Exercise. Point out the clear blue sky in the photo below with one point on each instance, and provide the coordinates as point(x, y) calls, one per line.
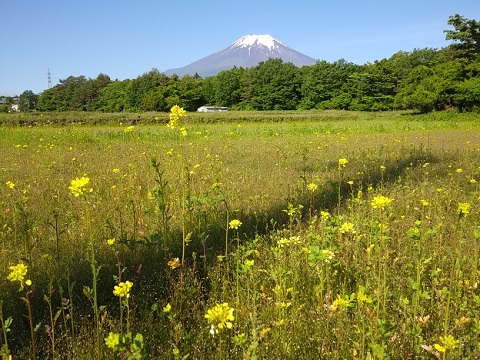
point(125, 39)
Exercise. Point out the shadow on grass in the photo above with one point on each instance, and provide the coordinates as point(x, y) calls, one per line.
point(145, 259)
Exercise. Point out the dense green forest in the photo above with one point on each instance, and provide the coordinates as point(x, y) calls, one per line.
point(423, 80)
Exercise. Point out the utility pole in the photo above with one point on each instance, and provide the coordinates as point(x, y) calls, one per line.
point(49, 78)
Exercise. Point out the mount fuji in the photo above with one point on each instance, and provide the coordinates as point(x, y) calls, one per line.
point(245, 52)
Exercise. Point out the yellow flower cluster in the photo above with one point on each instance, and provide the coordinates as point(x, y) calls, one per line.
point(112, 340)
point(328, 255)
point(340, 303)
point(381, 202)
point(347, 227)
point(312, 187)
point(235, 224)
point(123, 289)
point(174, 263)
point(448, 342)
point(325, 215)
point(342, 163)
point(18, 273)
point(220, 317)
point(292, 240)
point(80, 186)
point(176, 113)
point(167, 308)
point(463, 209)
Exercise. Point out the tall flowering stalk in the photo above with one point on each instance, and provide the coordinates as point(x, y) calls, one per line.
point(380, 203)
point(235, 224)
point(81, 187)
point(122, 290)
point(220, 318)
point(18, 274)
point(176, 114)
point(342, 163)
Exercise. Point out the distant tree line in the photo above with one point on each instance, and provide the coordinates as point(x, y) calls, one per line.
point(423, 80)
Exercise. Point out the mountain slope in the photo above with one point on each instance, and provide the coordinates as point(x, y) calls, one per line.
point(245, 52)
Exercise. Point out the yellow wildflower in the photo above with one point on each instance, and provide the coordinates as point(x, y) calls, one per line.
point(340, 303)
point(342, 163)
point(448, 342)
point(235, 224)
point(167, 308)
point(174, 263)
point(80, 186)
point(123, 289)
point(10, 184)
point(380, 202)
point(328, 255)
point(347, 227)
point(325, 215)
point(312, 187)
point(220, 317)
point(249, 263)
point(110, 242)
point(112, 340)
point(424, 202)
point(463, 208)
point(18, 273)
point(176, 113)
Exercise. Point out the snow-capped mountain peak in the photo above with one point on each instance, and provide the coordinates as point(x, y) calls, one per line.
point(251, 40)
point(245, 52)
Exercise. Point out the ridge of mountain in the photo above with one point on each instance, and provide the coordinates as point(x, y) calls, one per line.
point(245, 52)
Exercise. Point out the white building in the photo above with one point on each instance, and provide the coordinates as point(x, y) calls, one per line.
point(212, 109)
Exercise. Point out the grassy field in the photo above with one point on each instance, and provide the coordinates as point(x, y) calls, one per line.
point(291, 235)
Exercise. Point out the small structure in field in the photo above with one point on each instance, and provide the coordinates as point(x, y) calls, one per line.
point(212, 109)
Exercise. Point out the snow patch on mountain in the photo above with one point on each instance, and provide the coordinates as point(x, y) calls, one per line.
point(252, 40)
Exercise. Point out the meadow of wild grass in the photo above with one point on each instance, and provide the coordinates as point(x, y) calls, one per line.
point(306, 235)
